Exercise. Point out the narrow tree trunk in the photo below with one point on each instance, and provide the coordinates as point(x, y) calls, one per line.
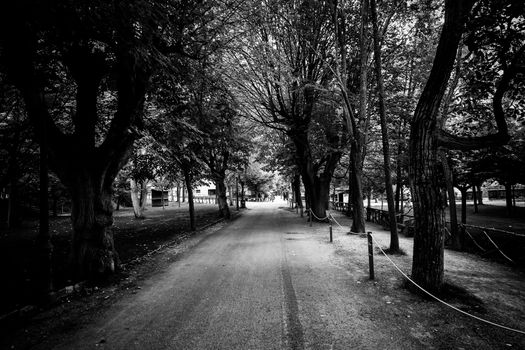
point(358, 142)
point(356, 192)
point(456, 241)
point(191, 205)
point(508, 199)
point(480, 194)
point(475, 198)
point(394, 239)
point(463, 204)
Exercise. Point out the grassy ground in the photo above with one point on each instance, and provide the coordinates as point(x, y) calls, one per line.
point(133, 239)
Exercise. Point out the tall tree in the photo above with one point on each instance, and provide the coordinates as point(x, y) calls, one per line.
point(394, 239)
point(426, 138)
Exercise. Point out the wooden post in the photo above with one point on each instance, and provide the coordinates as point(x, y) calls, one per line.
point(330, 220)
point(370, 255)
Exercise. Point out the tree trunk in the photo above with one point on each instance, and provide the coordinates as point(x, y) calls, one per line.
point(508, 199)
point(480, 194)
point(224, 210)
point(463, 204)
point(296, 187)
point(322, 195)
point(45, 248)
point(475, 198)
point(356, 191)
point(456, 241)
point(138, 197)
point(94, 253)
point(358, 137)
point(425, 174)
point(191, 206)
point(394, 239)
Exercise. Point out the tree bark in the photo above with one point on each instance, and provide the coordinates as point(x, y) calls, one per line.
point(191, 206)
point(508, 199)
point(425, 172)
point(138, 197)
point(296, 187)
point(222, 200)
point(480, 194)
point(45, 248)
point(394, 239)
point(456, 240)
point(475, 198)
point(94, 254)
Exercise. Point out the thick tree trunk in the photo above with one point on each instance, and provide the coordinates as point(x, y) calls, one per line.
point(224, 210)
point(191, 206)
point(425, 172)
point(94, 254)
point(322, 195)
point(394, 239)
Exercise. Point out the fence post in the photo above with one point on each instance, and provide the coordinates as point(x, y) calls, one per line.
point(370, 255)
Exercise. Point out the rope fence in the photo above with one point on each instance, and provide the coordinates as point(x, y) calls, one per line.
point(438, 299)
point(331, 218)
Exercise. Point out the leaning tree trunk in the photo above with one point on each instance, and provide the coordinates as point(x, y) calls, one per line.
point(425, 172)
point(92, 216)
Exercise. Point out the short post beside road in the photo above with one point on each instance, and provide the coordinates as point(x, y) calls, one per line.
point(370, 255)
point(330, 221)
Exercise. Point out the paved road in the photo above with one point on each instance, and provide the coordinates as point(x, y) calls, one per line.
point(258, 283)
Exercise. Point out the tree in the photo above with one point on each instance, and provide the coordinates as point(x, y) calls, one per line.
point(92, 46)
point(426, 138)
point(394, 240)
point(284, 81)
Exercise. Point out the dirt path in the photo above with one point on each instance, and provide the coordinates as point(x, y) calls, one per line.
point(269, 281)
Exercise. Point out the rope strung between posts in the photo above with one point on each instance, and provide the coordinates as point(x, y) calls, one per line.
point(503, 254)
point(494, 229)
point(441, 301)
point(311, 212)
point(338, 224)
point(473, 240)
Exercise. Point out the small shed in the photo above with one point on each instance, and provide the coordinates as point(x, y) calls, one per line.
point(159, 198)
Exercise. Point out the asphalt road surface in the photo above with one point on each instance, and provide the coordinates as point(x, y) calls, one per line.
point(261, 282)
